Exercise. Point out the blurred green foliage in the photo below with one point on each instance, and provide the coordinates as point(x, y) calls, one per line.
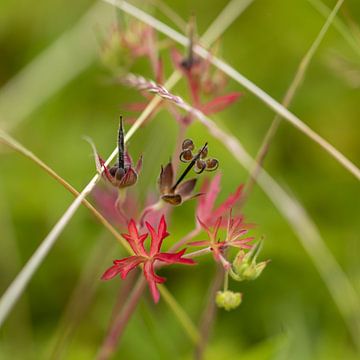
point(287, 312)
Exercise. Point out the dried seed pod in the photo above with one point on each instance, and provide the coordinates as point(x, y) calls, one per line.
point(188, 144)
point(211, 164)
point(204, 153)
point(186, 156)
point(200, 166)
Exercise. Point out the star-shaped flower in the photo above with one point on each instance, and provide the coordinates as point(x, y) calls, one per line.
point(235, 231)
point(146, 257)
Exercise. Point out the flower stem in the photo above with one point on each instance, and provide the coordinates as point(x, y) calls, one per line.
point(112, 339)
point(209, 313)
point(182, 316)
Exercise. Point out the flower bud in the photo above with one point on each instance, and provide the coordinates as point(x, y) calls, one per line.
point(228, 300)
point(245, 266)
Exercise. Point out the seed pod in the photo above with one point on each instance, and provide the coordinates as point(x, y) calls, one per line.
point(204, 153)
point(188, 144)
point(211, 164)
point(200, 166)
point(186, 156)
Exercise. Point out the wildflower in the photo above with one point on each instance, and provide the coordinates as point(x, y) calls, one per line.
point(197, 71)
point(228, 300)
point(205, 209)
point(122, 174)
point(233, 239)
point(176, 194)
point(245, 267)
point(146, 257)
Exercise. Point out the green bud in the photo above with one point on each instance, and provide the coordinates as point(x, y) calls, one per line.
point(244, 266)
point(228, 300)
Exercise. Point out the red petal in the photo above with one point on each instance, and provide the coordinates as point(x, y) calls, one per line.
point(135, 240)
point(157, 238)
point(220, 103)
point(228, 203)
point(174, 258)
point(206, 203)
point(110, 272)
point(128, 264)
point(152, 279)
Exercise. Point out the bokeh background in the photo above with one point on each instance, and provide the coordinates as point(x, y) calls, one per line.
point(288, 312)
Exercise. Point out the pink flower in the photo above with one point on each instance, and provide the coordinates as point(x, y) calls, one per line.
point(205, 209)
point(202, 81)
point(146, 257)
point(235, 231)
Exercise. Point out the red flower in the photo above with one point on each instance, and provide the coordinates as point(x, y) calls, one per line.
point(233, 238)
point(201, 81)
point(146, 257)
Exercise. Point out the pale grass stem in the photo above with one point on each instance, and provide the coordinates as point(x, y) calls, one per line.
point(38, 80)
point(294, 85)
point(338, 24)
point(241, 79)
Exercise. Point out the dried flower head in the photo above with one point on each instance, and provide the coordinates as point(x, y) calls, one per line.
point(146, 257)
point(177, 193)
point(122, 174)
point(202, 162)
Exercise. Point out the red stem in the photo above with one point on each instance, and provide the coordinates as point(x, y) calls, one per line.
point(112, 339)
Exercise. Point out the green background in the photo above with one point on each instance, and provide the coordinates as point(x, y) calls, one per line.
point(288, 312)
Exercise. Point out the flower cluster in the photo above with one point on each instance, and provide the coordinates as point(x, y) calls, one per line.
point(224, 225)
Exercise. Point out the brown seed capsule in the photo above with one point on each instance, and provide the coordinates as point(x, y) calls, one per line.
point(204, 153)
point(188, 144)
point(186, 156)
point(200, 166)
point(211, 164)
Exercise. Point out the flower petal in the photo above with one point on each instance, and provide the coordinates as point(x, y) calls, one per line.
point(152, 280)
point(220, 103)
point(135, 240)
point(185, 189)
point(174, 258)
point(157, 238)
point(110, 272)
point(166, 179)
point(206, 203)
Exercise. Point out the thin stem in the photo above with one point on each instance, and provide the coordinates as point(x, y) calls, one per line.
point(111, 341)
point(81, 297)
point(38, 81)
point(13, 144)
point(294, 86)
point(241, 79)
point(209, 313)
point(180, 314)
point(338, 24)
point(185, 239)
